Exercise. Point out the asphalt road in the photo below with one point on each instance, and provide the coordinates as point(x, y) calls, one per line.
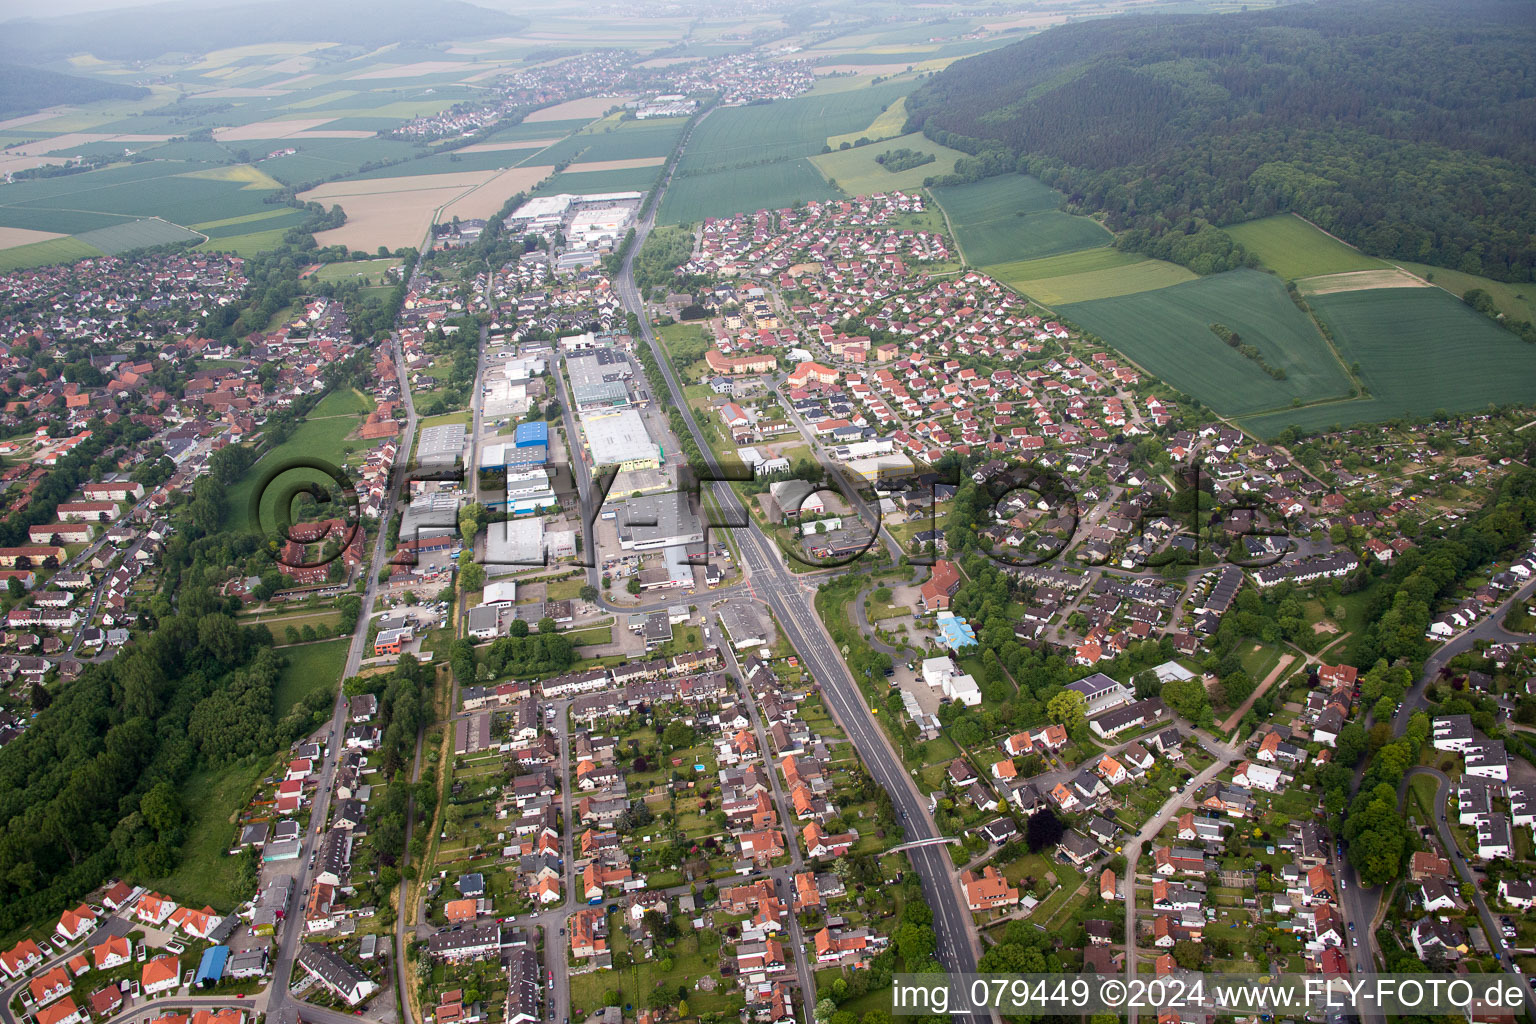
point(957, 944)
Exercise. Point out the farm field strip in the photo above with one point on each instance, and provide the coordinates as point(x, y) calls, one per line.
point(1294, 248)
point(1167, 332)
point(1419, 350)
point(1114, 279)
point(1014, 217)
point(1359, 281)
point(856, 171)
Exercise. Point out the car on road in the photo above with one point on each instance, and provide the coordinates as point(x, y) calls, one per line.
point(1351, 926)
point(1354, 941)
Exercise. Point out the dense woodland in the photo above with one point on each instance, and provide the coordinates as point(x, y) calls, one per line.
point(1407, 128)
point(23, 90)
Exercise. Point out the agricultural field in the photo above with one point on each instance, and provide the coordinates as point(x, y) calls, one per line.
point(1168, 333)
point(615, 179)
point(741, 159)
point(1293, 248)
point(1098, 273)
point(621, 140)
point(138, 234)
point(64, 249)
point(887, 125)
point(857, 172)
point(1516, 301)
point(1419, 350)
point(1014, 217)
point(396, 212)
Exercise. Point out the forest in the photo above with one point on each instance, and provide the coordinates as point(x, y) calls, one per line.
point(1408, 129)
point(90, 788)
point(23, 90)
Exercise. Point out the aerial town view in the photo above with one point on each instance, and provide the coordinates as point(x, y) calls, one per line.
point(767, 511)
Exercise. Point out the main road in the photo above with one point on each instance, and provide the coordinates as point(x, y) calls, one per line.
point(791, 601)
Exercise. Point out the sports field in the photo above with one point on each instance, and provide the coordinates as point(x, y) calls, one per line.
point(741, 159)
point(1419, 350)
point(1098, 273)
point(1014, 217)
point(1293, 248)
point(857, 172)
point(1167, 332)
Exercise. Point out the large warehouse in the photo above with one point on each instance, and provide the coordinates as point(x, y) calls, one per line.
point(620, 439)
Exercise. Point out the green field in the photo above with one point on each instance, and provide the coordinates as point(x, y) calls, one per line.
point(1014, 217)
point(1516, 301)
point(137, 234)
point(1293, 248)
point(856, 172)
point(374, 270)
point(1420, 350)
point(112, 196)
point(622, 179)
point(41, 254)
point(310, 667)
point(626, 140)
point(1098, 273)
point(206, 873)
point(322, 435)
point(887, 125)
point(1167, 332)
point(742, 159)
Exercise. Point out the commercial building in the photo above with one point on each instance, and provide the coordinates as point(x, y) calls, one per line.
point(440, 446)
point(599, 379)
point(657, 521)
point(515, 544)
point(620, 439)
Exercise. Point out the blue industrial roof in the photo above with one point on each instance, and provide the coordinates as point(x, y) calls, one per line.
point(212, 966)
point(534, 433)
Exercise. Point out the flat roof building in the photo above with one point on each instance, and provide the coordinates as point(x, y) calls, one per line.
point(658, 521)
point(621, 439)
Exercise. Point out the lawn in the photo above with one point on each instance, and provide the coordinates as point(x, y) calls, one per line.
point(314, 666)
point(857, 172)
point(322, 435)
point(1420, 350)
point(1293, 248)
point(375, 271)
point(206, 873)
point(1014, 217)
point(1099, 273)
point(1168, 333)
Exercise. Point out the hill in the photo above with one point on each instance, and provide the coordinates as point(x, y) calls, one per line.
point(24, 90)
point(143, 33)
point(1407, 128)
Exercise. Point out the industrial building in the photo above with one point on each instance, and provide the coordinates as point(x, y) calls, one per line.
point(620, 439)
point(656, 521)
point(599, 379)
point(440, 446)
point(514, 545)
